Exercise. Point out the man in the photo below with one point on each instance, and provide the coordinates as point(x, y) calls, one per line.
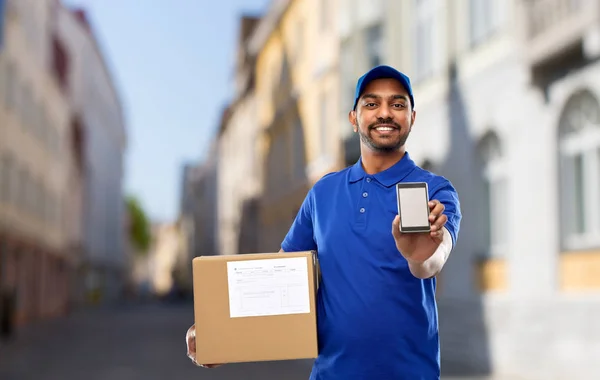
point(376, 309)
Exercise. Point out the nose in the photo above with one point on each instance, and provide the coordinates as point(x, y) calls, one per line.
point(384, 112)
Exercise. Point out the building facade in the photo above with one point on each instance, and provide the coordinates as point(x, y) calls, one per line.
point(164, 257)
point(361, 28)
point(68, 68)
point(206, 193)
point(198, 215)
point(97, 106)
point(238, 164)
point(190, 219)
point(35, 162)
point(507, 100)
point(297, 104)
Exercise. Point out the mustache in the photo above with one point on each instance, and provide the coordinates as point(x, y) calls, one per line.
point(384, 122)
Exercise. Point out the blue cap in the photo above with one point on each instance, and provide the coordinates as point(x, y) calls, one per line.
point(380, 72)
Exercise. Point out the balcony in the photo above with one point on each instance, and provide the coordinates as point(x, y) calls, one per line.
point(554, 29)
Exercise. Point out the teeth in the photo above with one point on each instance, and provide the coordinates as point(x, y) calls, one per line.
point(385, 129)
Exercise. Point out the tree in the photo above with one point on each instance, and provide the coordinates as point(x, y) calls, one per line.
point(139, 227)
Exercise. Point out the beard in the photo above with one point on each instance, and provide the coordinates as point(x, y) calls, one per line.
point(388, 145)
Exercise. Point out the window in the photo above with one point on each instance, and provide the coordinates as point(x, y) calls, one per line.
point(4, 177)
point(484, 19)
point(10, 86)
point(2, 25)
point(347, 81)
point(47, 206)
point(17, 183)
point(323, 125)
point(26, 109)
point(374, 41)
point(425, 41)
point(298, 147)
point(2, 69)
point(278, 163)
point(58, 214)
point(579, 146)
point(60, 62)
point(495, 194)
point(323, 16)
point(28, 196)
point(37, 199)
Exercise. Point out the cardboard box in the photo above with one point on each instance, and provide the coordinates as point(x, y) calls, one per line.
point(255, 307)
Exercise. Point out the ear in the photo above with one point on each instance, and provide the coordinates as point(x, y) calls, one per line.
point(352, 120)
point(413, 118)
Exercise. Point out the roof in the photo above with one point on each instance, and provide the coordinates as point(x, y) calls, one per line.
point(267, 25)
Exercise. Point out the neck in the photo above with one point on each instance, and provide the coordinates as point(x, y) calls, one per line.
point(375, 162)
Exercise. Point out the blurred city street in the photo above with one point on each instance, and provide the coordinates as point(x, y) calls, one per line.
point(144, 342)
point(118, 169)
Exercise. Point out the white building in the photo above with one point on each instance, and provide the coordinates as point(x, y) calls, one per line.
point(238, 163)
point(98, 106)
point(198, 208)
point(190, 219)
point(35, 162)
point(507, 98)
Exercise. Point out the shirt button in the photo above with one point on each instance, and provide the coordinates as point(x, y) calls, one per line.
point(365, 194)
point(368, 179)
point(362, 210)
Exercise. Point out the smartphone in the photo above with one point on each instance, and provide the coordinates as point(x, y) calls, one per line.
point(413, 207)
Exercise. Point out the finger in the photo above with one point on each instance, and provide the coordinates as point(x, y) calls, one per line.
point(193, 359)
point(437, 210)
point(433, 203)
point(437, 234)
point(396, 226)
point(205, 365)
point(439, 223)
point(436, 207)
point(191, 340)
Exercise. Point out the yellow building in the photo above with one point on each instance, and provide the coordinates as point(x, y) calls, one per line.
point(297, 98)
point(34, 165)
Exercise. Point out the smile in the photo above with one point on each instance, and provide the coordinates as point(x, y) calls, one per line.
point(385, 128)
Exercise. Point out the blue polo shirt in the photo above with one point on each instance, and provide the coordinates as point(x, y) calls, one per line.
point(376, 321)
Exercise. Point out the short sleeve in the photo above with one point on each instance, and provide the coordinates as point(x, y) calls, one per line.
point(300, 236)
point(448, 196)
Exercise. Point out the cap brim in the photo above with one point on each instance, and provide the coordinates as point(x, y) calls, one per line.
point(382, 72)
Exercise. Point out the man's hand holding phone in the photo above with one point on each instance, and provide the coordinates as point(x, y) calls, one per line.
point(418, 247)
point(418, 227)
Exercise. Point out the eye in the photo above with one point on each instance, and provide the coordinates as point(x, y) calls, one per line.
point(370, 104)
point(398, 105)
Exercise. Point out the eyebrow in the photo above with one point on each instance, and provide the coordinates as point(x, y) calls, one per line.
point(393, 97)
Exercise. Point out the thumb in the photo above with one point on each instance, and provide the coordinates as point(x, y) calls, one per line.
point(396, 227)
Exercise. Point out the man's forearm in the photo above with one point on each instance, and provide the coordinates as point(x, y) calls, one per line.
point(433, 265)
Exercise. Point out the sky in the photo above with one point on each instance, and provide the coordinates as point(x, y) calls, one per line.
point(173, 64)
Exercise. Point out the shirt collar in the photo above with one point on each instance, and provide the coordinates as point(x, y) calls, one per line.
point(388, 177)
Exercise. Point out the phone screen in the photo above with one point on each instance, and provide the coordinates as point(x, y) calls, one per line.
point(414, 211)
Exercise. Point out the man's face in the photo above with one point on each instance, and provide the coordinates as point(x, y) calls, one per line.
point(383, 116)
